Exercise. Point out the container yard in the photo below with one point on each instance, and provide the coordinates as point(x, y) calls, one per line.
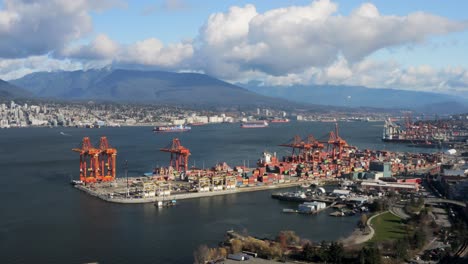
point(428, 134)
point(311, 162)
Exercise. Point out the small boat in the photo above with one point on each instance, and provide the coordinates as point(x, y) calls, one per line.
point(77, 182)
point(169, 129)
point(288, 210)
point(254, 124)
point(337, 213)
point(168, 203)
point(343, 212)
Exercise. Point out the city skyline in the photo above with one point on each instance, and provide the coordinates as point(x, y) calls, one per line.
point(375, 44)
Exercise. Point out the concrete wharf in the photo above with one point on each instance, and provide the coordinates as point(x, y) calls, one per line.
point(180, 196)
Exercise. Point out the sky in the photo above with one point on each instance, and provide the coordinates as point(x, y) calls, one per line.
point(413, 45)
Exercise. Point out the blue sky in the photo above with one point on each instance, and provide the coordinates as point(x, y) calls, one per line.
point(416, 45)
point(129, 24)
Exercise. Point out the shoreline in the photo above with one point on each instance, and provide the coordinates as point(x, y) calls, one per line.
point(358, 236)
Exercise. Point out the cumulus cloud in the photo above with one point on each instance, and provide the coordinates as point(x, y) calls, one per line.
point(149, 52)
point(102, 47)
point(153, 52)
point(37, 27)
point(378, 74)
point(289, 40)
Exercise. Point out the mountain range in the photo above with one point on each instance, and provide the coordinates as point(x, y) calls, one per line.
point(358, 96)
point(140, 86)
point(8, 90)
point(196, 89)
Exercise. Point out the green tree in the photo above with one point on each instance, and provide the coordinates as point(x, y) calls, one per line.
point(420, 202)
point(418, 238)
point(369, 254)
point(335, 253)
point(322, 251)
point(401, 247)
point(309, 252)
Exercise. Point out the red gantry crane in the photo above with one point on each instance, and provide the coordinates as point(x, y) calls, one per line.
point(179, 155)
point(296, 144)
point(314, 148)
point(336, 144)
point(89, 162)
point(107, 160)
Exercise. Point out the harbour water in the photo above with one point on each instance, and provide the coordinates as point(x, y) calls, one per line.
point(45, 220)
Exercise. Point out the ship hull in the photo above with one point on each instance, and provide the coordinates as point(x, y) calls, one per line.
point(170, 131)
point(254, 125)
point(280, 121)
point(402, 140)
point(290, 198)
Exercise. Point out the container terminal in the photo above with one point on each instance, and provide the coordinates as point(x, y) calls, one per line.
point(425, 134)
point(311, 162)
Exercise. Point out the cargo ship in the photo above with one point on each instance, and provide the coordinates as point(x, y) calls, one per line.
point(168, 129)
point(280, 120)
point(393, 132)
point(254, 124)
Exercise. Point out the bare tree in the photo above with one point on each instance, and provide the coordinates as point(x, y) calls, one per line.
point(201, 255)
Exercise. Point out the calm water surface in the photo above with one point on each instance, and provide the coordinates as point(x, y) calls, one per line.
point(44, 220)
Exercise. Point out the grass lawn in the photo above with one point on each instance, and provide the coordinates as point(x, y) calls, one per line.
point(387, 227)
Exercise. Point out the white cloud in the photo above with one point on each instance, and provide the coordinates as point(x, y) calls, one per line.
point(379, 74)
point(149, 52)
point(37, 27)
point(153, 52)
point(102, 47)
point(16, 68)
point(289, 40)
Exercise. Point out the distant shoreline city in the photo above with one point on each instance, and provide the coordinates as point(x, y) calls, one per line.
point(52, 114)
